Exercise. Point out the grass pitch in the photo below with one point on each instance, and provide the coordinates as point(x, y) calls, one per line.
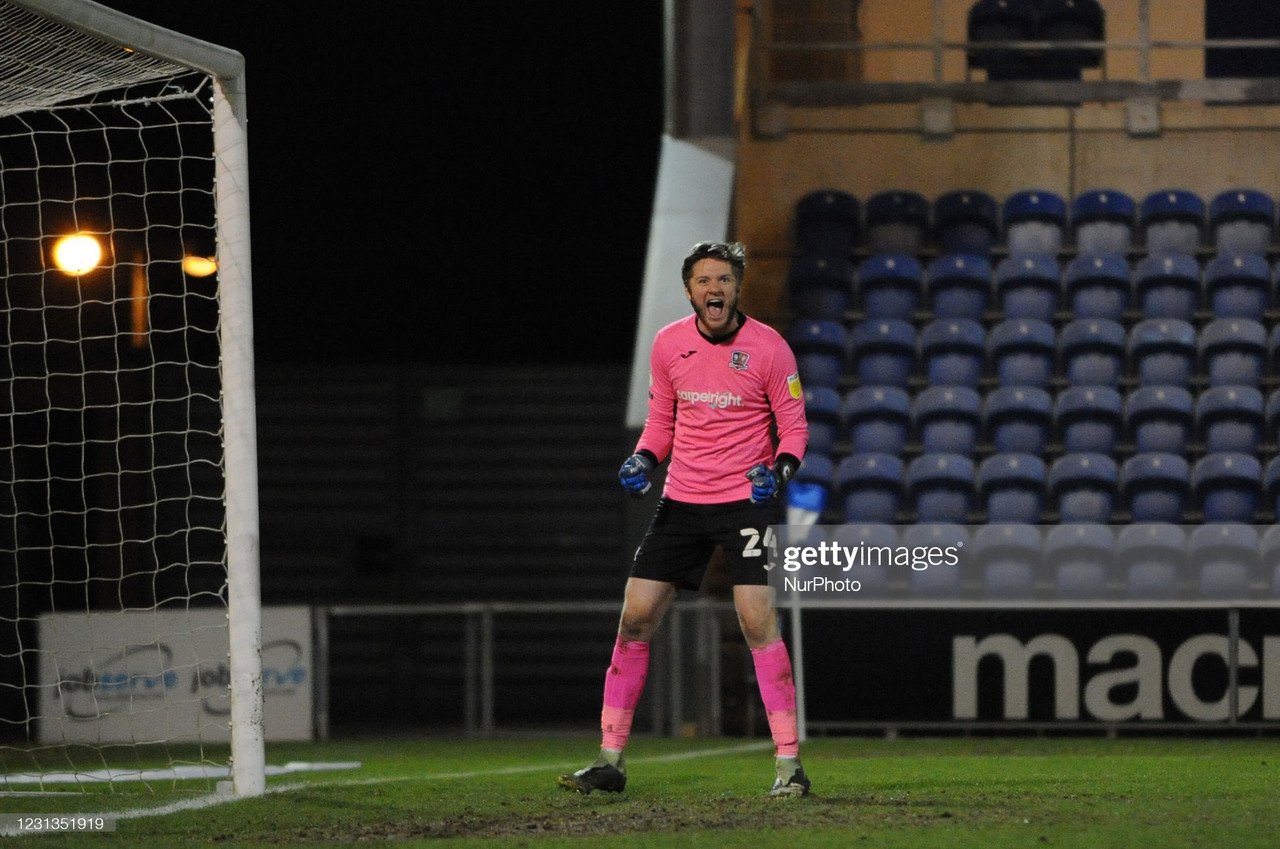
point(1091, 793)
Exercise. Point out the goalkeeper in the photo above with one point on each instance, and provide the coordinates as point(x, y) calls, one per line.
point(721, 387)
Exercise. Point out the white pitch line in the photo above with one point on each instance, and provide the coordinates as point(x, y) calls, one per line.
point(213, 799)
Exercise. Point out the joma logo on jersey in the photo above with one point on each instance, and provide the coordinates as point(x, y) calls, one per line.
point(718, 400)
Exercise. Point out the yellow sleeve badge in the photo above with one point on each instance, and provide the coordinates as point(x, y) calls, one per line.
point(793, 384)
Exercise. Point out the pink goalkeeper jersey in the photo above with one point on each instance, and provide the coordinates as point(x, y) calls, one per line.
point(712, 405)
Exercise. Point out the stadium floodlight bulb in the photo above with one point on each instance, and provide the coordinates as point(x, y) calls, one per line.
point(199, 266)
point(77, 254)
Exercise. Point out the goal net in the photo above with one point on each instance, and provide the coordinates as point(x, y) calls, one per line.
point(128, 513)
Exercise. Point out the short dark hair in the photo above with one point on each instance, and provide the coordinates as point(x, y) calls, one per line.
point(731, 252)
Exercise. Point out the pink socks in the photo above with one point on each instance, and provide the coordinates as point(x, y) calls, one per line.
point(623, 684)
point(778, 691)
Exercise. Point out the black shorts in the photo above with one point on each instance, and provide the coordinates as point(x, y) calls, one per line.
point(682, 537)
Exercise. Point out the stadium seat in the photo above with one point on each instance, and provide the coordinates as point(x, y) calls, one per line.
point(1018, 419)
point(879, 577)
point(1172, 221)
point(947, 419)
point(1080, 555)
point(1225, 556)
point(1242, 221)
point(827, 223)
point(1008, 558)
point(1271, 414)
point(821, 348)
point(1028, 286)
point(870, 487)
point(941, 579)
point(1155, 486)
point(1103, 222)
point(1230, 418)
point(1083, 487)
point(1227, 486)
point(1089, 418)
point(1159, 418)
point(822, 408)
point(1271, 487)
point(883, 351)
point(1162, 351)
point(1011, 488)
point(897, 222)
point(966, 222)
point(953, 352)
point(877, 418)
point(958, 286)
point(1035, 222)
point(1273, 349)
point(1237, 286)
point(1155, 555)
point(1092, 352)
point(890, 286)
point(1002, 20)
point(820, 286)
point(1233, 351)
point(1072, 20)
point(1097, 286)
point(940, 487)
point(1022, 352)
point(809, 492)
point(1167, 286)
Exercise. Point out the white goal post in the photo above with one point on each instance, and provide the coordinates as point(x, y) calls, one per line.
point(101, 77)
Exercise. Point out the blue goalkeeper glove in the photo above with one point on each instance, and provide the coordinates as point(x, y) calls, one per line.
point(765, 482)
point(634, 475)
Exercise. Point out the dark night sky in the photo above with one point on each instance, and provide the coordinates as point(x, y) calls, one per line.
point(468, 183)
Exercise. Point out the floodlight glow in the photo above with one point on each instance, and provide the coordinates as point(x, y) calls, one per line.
point(199, 266)
point(77, 254)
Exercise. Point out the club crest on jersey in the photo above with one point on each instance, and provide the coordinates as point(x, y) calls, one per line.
point(738, 360)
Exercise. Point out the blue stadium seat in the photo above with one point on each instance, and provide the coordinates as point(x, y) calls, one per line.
point(1237, 286)
point(1028, 286)
point(809, 492)
point(883, 351)
point(879, 577)
point(822, 408)
point(877, 418)
point(1230, 418)
point(947, 418)
point(1023, 352)
point(1083, 487)
point(820, 286)
point(1227, 486)
point(1242, 221)
point(958, 286)
point(870, 487)
point(1226, 557)
point(1172, 221)
point(1008, 557)
point(1162, 351)
point(1271, 415)
point(940, 486)
point(1002, 20)
point(1097, 286)
point(1155, 554)
point(1233, 351)
point(1011, 488)
point(1167, 286)
point(1018, 419)
point(891, 286)
point(1271, 487)
point(966, 222)
point(940, 580)
point(953, 352)
point(1103, 222)
point(1092, 351)
point(897, 222)
point(1035, 222)
point(827, 223)
point(1089, 418)
point(1155, 486)
point(1273, 348)
point(1072, 20)
point(822, 349)
point(1160, 418)
point(1080, 555)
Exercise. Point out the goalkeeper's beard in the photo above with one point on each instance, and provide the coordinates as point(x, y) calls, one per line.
point(725, 324)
